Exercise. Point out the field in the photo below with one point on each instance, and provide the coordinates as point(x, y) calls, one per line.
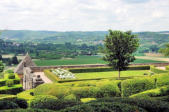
point(86, 60)
point(112, 74)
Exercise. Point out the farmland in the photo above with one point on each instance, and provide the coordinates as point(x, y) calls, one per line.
point(86, 60)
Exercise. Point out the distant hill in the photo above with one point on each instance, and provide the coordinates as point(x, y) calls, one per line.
point(79, 37)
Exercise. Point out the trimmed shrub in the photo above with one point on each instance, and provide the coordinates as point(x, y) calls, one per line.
point(28, 110)
point(162, 79)
point(51, 102)
point(104, 69)
point(108, 89)
point(167, 68)
point(8, 105)
point(140, 67)
point(71, 97)
point(161, 98)
point(12, 98)
point(22, 103)
point(104, 107)
point(11, 90)
point(83, 92)
point(11, 75)
point(7, 97)
point(51, 75)
point(156, 70)
point(27, 95)
point(104, 88)
point(133, 86)
point(43, 101)
point(152, 93)
point(16, 81)
point(52, 89)
point(84, 70)
point(2, 82)
point(149, 105)
point(9, 83)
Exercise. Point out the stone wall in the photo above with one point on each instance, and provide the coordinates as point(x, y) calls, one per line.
point(41, 68)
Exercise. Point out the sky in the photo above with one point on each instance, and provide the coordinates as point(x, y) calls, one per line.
point(85, 15)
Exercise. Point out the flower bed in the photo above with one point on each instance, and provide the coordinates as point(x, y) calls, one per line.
point(63, 74)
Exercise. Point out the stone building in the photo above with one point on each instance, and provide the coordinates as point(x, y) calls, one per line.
point(29, 79)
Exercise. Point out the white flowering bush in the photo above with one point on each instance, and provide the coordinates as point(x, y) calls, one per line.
point(63, 74)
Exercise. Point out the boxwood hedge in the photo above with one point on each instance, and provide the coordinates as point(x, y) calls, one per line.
point(133, 86)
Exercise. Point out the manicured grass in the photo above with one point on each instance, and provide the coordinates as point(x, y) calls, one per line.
point(84, 60)
point(111, 74)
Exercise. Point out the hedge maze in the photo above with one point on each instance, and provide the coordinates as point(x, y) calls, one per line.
point(147, 93)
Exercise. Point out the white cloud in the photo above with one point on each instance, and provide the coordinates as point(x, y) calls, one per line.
point(68, 15)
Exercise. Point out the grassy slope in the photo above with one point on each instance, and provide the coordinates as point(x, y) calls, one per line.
point(111, 74)
point(84, 60)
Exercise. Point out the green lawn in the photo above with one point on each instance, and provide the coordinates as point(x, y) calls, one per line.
point(83, 60)
point(112, 74)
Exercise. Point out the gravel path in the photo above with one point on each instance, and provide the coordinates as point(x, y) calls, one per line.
point(162, 68)
point(44, 78)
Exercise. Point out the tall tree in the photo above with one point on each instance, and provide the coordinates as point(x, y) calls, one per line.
point(0, 57)
point(1, 66)
point(119, 49)
point(165, 50)
point(15, 60)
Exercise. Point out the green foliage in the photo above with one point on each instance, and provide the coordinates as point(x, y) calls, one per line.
point(11, 90)
point(51, 102)
point(71, 97)
point(162, 91)
point(27, 95)
point(11, 76)
point(104, 107)
point(2, 82)
point(8, 105)
point(85, 100)
point(28, 110)
point(156, 70)
point(43, 101)
point(21, 103)
point(9, 71)
point(9, 83)
point(167, 68)
point(7, 97)
point(15, 60)
point(118, 54)
point(162, 79)
point(108, 89)
point(133, 86)
point(51, 75)
point(80, 89)
point(1, 67)
point(147, 104)
point(52, 89)
point(104, 69)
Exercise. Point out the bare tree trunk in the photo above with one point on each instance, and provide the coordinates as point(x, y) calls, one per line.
point(119, 75)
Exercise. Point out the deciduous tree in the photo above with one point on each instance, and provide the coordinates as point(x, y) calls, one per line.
point(119, 49)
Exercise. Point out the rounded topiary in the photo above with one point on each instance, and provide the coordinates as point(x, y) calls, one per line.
point(11, 76)
point(44, 102)
point(70, 97)
point(8, 105)
point(9, 83)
